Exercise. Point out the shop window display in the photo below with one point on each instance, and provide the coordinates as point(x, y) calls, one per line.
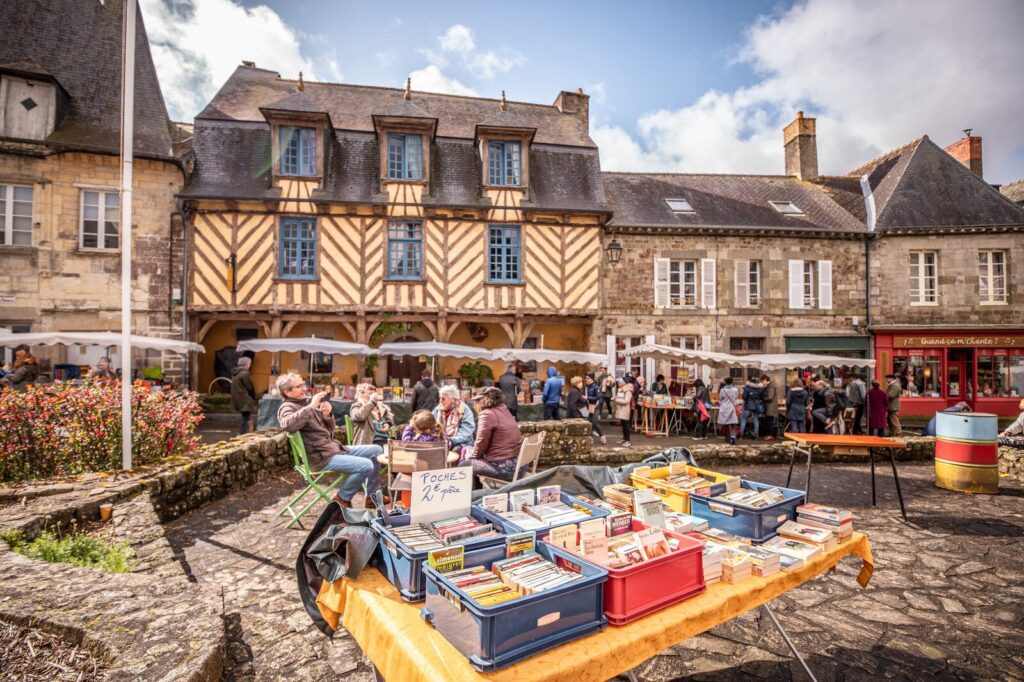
point(920, 375)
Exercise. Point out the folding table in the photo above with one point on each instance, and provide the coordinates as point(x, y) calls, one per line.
point(846, 445)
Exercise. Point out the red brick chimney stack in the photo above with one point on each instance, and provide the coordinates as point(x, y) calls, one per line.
point(799, 141)
point(967, 150)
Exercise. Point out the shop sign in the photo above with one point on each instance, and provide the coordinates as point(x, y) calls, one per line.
point(957, 341)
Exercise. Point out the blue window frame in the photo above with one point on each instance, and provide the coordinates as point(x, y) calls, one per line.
point(298, 151)
point(297, 248)
point(405, 157)
point(504, 164)
point(504, 261)
point(405, 250)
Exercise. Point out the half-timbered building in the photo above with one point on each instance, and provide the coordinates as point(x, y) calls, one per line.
point(375, 214)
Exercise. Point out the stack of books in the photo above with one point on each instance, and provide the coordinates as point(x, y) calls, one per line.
point(763, 562)
point(712, 557)
point(483, 586)
point(794, 548)
point(724, 538)
point(531, 573)
point(839, 521)
point(555, 513)
point(637, 547)
point(619, 495)
point(678, 522)
point(736, 565)
point(813, 536)
point(599, 503)
point(751, 498)
point(420, 537)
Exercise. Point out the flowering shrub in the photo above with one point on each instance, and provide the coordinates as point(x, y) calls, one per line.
point(64, 429)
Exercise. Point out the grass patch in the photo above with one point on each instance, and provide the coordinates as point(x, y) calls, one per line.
point(76, 549)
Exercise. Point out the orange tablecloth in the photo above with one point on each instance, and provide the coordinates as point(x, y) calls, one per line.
point(404, 648)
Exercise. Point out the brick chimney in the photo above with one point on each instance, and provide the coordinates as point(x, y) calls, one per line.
point(967, 150)
point(801, 147)
point(577, 103)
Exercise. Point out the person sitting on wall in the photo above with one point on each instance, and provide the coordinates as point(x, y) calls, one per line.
point(929, 429)
point(1017, 427)
point(498, 440)
point(313, 420)
point(456, 418)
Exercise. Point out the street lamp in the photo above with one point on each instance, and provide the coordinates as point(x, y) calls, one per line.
point(613, 251)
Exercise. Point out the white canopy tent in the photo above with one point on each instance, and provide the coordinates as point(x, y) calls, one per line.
point(304, 345)
point(799, 360)
point(434, 349)
point(548, 355)
point(708, 358)
point(99, 339)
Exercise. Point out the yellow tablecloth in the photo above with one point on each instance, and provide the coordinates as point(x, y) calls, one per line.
point(404, 648)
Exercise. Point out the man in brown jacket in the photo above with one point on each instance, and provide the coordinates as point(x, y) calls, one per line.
point(315, 422)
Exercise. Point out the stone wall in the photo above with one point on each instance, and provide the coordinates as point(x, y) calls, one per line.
point(957, 278)
point(1011, 462)
point(58, 286)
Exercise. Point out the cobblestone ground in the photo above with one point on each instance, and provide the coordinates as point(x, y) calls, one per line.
point(946, 600)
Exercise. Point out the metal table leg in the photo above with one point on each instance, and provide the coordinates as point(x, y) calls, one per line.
point(792, 459)
point(631, 676)
point(871, 456)
point(789, 642)
point(896, 477)
point(807, 490)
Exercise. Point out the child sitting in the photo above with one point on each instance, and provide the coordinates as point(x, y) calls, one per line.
point(423, 428)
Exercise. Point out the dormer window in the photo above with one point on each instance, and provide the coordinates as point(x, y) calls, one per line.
point(28, 108)
point(786, 207)
point(298, 151)
point(405, 156)
point(504, 164)
point(679, 206)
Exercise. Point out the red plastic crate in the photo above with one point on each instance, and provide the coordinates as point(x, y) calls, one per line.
point(636, 591)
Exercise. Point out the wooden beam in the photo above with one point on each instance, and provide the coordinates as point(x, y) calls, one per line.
point(350, 328)
point(431, 327)
point(452, 326)
point(510, 331)
point(205, 329)
point(289, 326)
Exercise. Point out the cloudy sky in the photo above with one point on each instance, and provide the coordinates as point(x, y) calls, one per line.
point(684, 86)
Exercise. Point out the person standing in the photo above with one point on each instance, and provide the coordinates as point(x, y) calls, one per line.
point(878, 408)
point(796, 407)
point(894, 390)
point(593, 404)
point(753, 406)
point(624, 407)
point(508, 383)
point(424, 393)
point(26, 369)
point(771, 407)
point(856, 393)
point(702, 408)
point(607, 392)
point(552, 394)
point(243, 393)
point(816, 407)
point(728, 399)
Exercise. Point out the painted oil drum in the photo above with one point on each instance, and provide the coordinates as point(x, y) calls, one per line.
point(966, 454)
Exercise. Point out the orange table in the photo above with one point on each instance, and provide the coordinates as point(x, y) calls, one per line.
point(846, 445)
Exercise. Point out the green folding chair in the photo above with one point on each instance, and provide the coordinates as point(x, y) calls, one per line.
point(312, 479)
point(350, 430)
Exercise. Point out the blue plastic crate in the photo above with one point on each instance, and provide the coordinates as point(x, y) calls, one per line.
point(509, 527)
point(493, 637)
point(757, 524)
point(403, 567)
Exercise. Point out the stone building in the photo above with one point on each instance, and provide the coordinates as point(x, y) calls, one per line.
point(946, 278)
point(734, 263)
point(371, 214)
point(60, 260)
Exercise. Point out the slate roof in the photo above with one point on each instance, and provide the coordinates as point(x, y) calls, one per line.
point(919, 185)
point(79, 44)
point(725, 202)
point(352, 107)
point(232, 140)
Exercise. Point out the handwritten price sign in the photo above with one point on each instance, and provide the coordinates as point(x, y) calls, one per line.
point(441, 494)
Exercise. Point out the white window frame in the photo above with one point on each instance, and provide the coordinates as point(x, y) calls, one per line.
point(747, 283)
point(810, 280)
point(681, 206)
point(670, 275)
point(7, 216)
point(986, 274)
point(101, 220)
point(786, 207)
point(921, 283)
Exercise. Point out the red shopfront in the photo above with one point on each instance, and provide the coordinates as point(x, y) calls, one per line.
point(940, 369)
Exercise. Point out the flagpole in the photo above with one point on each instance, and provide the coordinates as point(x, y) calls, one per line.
point(127, 151)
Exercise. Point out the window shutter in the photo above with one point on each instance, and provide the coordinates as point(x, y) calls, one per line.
point(796, 284)
point(649, 365)
point(705, 344)
point(825, 284)
point(661, 283)
point(609, 341)
point(742, 284)
point(707, 283)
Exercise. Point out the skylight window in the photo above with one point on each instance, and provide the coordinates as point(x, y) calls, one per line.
point(679, 205)
point(786, 207)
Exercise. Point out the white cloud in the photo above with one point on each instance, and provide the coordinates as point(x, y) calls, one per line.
point(457, 38)
point(489, 64)
point(458, 42)
point(431, 79)
point(197, 44)
point(875, 74)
